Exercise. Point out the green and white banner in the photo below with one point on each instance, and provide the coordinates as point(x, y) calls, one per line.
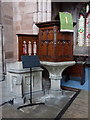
point(66, 22)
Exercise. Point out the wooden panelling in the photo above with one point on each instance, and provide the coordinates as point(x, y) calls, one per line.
point(54, 45)
point(75, 70)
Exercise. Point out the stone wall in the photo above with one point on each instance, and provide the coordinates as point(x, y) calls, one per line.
point(26, 14)
point(0, 47)
point(0, 11)
point(7, 22)
point(56, 8)
point(20, 17)
point(0, 55)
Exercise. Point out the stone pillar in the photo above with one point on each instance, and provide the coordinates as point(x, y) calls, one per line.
point(55, 70)
point(42, 14)
point(0, 73)
point(44, 10)
point(55, 81)
point(0, 54)
point(48, 10)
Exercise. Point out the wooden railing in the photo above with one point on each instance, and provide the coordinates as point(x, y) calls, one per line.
point(27, 45)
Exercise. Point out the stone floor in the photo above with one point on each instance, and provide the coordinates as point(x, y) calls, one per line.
point(78, 109)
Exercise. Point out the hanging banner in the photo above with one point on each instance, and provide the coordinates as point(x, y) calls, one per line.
point(88, 30)
point(66, 22)
point(81, 30)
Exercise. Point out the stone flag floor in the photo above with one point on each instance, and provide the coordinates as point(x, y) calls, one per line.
point(55, 106)
point(78, 110)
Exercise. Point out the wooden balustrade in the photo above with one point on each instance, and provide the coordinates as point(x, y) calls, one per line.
point(27, 45)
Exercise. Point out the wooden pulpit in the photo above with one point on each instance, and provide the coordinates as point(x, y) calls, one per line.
point(53, 45)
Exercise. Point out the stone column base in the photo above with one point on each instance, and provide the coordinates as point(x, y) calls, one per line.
point(55, 82)
point(18, 100)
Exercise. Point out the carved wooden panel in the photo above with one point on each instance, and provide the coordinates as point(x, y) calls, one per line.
point(44, 34)
point(43, 49)
point(54, 45)
point(50, 35)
